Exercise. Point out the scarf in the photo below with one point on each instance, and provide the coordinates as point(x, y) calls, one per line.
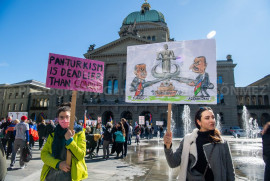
point(59, 141)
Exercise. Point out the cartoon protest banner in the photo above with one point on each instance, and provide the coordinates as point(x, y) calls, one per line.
point(76, 74)
point(172, 72)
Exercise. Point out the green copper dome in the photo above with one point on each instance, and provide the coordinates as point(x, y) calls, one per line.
point(145, 15)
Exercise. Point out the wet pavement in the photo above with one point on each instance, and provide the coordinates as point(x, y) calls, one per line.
point(146, 161)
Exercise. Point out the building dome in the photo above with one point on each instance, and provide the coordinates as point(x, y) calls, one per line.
point(145, 15)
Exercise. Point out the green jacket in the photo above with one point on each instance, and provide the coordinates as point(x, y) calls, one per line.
point(78, 150)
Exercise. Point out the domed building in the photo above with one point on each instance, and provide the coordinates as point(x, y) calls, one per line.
point(139, 27)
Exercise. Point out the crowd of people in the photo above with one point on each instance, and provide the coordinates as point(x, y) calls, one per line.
point(201, 155)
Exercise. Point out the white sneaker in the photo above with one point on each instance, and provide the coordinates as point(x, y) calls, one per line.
point(22, 167)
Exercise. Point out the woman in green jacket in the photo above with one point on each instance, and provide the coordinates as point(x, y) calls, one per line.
point(54, 151)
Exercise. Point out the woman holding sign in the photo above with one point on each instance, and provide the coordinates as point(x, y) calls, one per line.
point(54, 152)
point(202, 154)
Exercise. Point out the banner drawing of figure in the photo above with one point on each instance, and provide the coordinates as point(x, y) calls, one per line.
point(202, 82)
point(172, 72)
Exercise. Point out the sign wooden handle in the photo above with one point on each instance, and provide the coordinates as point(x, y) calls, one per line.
point(72, 120)
point(169, 117)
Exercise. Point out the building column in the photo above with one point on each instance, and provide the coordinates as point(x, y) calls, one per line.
point(120, 80)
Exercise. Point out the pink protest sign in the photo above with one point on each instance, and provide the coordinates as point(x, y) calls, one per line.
point(72, 73)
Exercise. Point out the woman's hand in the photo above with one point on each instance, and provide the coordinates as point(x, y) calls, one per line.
point(168, 139)
point(64, 166)
point(69, 134)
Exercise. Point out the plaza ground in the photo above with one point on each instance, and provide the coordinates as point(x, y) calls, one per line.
point(146, 161)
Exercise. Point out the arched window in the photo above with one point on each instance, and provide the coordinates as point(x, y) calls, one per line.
point(15, 107)
point(21, 108)
point(153, 38)
point(34, 103)
point(8, 107)
point(260, 100)
point(149, 38)
point(247, 100)
point(266, 100)
point(38, 103)
point(45, 103)
point(253, 100)
point(109, 87)
point(48, 102)
point(41, 103)
point(115, 87)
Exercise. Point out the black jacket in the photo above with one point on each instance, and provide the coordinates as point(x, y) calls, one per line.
point(107, 134)
point(41, 130)
point(266, 145)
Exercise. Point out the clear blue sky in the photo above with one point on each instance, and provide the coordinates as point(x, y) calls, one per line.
point(31, 29)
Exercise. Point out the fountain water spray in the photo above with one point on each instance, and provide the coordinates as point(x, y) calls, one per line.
point(250, 124)
point(186, 119)
point(218, 123)
point(245, 118)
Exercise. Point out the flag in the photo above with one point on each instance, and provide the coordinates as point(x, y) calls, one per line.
point(150, 119)
point(197, 88)
point(33, 131)
point(84, 120)
point(111, 120)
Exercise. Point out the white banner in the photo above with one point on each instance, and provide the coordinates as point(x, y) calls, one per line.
point(159, 123)
point(17, 115)
point(172, 72)
point(141, 120)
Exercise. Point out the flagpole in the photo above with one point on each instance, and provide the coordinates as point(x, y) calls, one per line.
point(169, 117)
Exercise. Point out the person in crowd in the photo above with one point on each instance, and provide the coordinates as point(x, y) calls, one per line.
point(21, 132)
point(3, 167)
point(202, 154)
point(10, 136)
point(161, 131)
point(130, 131)
point(266, 150)
point(137, 139)
point(142, 132)
point(147, 132)
point(120, 139)
point(41, 133)
point(4, 126)
point(31, 139)
point(98, 130)
point(107, 139)
point(126, 127)
point(54, 152)
point(49, 128)
point(114, 129)
point(153, 131)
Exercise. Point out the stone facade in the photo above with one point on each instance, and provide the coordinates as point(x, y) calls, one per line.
point(16, 97)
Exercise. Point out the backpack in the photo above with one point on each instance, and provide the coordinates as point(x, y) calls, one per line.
point(26, 153)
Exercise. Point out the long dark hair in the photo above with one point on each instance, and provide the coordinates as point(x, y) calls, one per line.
point(121, 128)
point(216, 137)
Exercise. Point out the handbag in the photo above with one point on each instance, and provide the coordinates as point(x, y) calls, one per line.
point(26, 153)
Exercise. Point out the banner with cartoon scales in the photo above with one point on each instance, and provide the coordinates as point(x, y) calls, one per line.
point(172, 72)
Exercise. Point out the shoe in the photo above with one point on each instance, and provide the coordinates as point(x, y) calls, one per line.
point(22, 167)
point(121, 157)
point(10, 168)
